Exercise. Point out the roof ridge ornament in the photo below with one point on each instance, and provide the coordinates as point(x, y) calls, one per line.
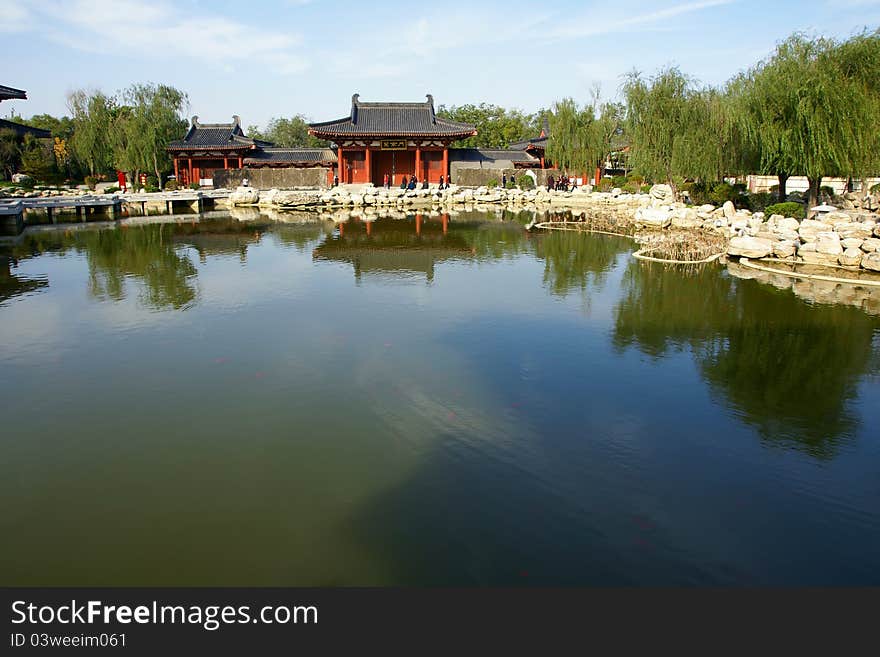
point(430, 104)
point(195, 121)
point(354, 106)
point(236, 120)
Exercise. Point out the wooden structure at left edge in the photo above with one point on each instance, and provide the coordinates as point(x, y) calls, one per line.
point(397, 139)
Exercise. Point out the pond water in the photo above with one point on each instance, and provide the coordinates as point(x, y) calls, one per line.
point(424, 401)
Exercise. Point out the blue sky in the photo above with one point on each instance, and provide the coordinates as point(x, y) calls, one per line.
point(284, 57)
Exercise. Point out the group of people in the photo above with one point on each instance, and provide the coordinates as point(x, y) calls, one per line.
point(413, 182)
point(560, 184)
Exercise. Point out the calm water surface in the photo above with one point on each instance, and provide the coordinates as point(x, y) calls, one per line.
point(224, 402)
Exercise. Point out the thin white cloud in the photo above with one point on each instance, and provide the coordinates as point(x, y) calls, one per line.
point(161, 31)
point(590, 26)
point(852, 4)
point(405, 46)
point(13, 16)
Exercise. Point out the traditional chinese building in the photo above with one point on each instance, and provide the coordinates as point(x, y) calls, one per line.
point(397, 139)
point(211, 147)
point(535, 146)
point(374, 140)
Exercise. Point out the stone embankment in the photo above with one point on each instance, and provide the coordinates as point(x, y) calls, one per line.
point(845, 238)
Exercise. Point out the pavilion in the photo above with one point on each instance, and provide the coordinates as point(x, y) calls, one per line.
point(10, 93)
point(374, 139)
point(397, 139)
point(536, 146)
point(209, 147)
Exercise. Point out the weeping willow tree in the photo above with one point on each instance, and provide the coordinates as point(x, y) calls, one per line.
point(813, 108)
point(582, 137)
point(150, 119)
point(92, 116)
point(677, 130)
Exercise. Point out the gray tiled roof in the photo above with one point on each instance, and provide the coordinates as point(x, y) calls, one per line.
point(22, 130)
point(292, 155)
point(214, 135)
point(392, 119)
point(10, 93)
point(489, 155)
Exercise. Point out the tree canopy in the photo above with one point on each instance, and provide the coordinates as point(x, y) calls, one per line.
point(813, 108)
point(128, 131)
point(582, 137)
point(496, 126)
point(290, 133)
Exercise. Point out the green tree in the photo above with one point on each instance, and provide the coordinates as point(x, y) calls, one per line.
point(813, 108)
point(10, 152)
point(289, 133)
point(37, 159)
point(676, 129)
point(92, 115)
point(496, 126)
point(581, 138)
point(61, 127)
point(157, 117)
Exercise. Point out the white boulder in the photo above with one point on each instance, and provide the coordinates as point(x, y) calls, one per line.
point(749, 247)
point(850, 257)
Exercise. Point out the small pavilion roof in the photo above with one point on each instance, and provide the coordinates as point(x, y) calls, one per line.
point(535, 143)
point(225, 136)
point(11, 93)
point(392, 120)
point(22, 130)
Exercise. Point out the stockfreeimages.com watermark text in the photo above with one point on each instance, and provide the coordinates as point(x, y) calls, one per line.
point(209, 617)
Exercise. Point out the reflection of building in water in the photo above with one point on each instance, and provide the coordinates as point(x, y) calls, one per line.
point(407, 246)
point(220, 237)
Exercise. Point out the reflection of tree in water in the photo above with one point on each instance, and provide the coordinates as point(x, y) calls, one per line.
point(575, 260)
point(12, 285)
point(670, 306)
point(302, 237)
point(790, 369)
point(144, 252)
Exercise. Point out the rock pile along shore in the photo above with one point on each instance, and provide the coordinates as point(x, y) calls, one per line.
point(847, 238)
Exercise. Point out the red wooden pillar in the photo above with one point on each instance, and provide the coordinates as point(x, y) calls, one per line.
point(240, 165)
point(446, 164)
point(367, 161)
point(598, 174)
point(225, 162)
point(190, 177)
point(341, 161)
point(418, 171)
point(176, 172)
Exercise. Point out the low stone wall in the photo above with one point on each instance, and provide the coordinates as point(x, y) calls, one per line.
point(272, 178)
point(469, 175)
